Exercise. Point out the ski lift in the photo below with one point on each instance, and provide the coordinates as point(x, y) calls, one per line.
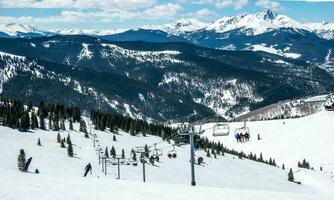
point(329, 103)
point(221, 129)
point(157, 152)
point(242, 130)
point(172, 153)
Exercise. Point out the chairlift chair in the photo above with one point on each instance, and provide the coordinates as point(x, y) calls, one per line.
point(242, 130)
point(157, 152)
point(172, 153)
point(221, 129)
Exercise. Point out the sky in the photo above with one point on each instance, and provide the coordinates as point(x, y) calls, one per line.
point(124, 14)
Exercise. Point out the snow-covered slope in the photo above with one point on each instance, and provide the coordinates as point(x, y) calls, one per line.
point(20, 30)
point(89, 32)
point(226, 176)
point(254, 24)
point(181, 26)
point(288, 140)
point(324, 30)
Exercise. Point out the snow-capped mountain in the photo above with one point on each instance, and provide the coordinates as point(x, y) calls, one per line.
point(253, 24)
point(19, 30)
point(179, 27)
point(324, 29)
point(92, 32)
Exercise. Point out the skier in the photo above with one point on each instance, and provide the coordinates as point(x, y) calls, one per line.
point(26, 166)
point(87, 169)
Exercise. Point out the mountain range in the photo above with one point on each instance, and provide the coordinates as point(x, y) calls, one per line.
point(155, 81)
point(182, 70)
point(266, 31)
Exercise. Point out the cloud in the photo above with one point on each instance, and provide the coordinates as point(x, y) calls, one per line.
point(204, 13)
point(166, 11)
point(78, 4)
point(237, 4)
point(269, 4)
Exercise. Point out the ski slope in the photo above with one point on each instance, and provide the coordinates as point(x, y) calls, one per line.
point(288, 140)
point(226, 177)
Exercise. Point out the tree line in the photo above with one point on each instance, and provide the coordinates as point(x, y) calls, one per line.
point(24, 116)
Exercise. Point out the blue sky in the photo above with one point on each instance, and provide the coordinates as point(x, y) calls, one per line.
point(113, 14)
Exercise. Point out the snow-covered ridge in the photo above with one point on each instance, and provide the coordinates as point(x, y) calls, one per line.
point(158, 57)
point(89, 32)
point(251, 24)
point(181, 26)
point(14, 29)
point(324, 29)
point(254, 24)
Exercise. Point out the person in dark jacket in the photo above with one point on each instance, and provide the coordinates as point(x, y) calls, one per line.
point(237, 136)
point(88, 168)
point(26, 167)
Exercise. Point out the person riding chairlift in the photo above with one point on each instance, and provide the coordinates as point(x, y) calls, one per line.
point(237, 136)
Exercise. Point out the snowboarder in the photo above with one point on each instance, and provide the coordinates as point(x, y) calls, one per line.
point(26, 166)
point(87, 169)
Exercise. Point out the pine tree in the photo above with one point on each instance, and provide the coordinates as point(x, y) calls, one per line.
point(39, 142)
point(62, 125)
point(50, 122)
point(42, 122)
point(83, 127)
point(58, 138)
point(62, 143)
point(106, 153)
point(114, 138)
point(123, 154)
point(68, 139)
point(208, 153)
point(21, 160)
point(70, 149)
point(290, 175)
point(113, 152)
point(261, 158)
point(71, 124)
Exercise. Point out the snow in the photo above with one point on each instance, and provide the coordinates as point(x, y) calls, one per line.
point(272, 50)
point(13, 29)
point(61, 177)
point(181, 26)
point(89, 32)
point(85, 52)
point(158, 57)
point(288, 140)
point(254, 24)
point(324, 29)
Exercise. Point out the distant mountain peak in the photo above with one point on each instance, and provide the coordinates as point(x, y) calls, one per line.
point(269, 15)
point(179, 27)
